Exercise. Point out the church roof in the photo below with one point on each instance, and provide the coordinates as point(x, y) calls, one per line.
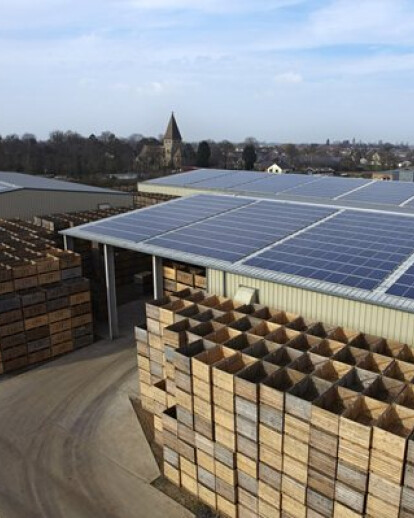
point(172, 133)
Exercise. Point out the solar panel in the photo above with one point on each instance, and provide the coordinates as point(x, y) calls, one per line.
point(230, 179)
point(356, 249)
point(327, 187)
point(382, 192)
point(142, 224)
point(232, 236)
point(184, 179)
point(404, 286)
point(274, 184)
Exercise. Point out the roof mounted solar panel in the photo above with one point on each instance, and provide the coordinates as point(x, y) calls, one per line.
point(239, 179)
point(355, 249)
point(328, 187)
point(146, 223)
point(188, 178)
point(234, 235)
point(404, 286)
point(276, 183)
point(383, 192)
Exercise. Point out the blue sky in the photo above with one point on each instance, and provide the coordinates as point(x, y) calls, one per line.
point(279, 70)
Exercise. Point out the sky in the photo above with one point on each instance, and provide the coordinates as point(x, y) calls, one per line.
point(278, 70)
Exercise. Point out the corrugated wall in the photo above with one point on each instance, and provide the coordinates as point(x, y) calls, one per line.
point(369, 318)
point(28, 203)
point(168, 189)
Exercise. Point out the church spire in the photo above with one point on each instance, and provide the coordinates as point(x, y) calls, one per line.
point(173, 133)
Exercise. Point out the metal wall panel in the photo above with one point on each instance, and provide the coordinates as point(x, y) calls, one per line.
point(368, 318)
point(215, 282)
point(171, 190)
point(29, 203)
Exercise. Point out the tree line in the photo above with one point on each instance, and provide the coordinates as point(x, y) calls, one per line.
point(73, 155)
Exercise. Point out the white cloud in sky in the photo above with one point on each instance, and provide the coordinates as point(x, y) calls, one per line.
point(123, 64)
point(289, 78)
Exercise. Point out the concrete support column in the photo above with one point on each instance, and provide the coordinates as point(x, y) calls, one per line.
point(111, 291)
point(158, 277)
point(68, 243)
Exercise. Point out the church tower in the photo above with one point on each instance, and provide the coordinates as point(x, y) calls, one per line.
point(172, 144)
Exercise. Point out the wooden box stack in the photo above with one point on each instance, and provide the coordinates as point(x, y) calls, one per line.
point(273, 421)
point(323, 448)
point(247, 405)
point(355, 437)
point(41, 318)
point(407, 494)
point(387, 461)
point(179, 276)
point(46, 308)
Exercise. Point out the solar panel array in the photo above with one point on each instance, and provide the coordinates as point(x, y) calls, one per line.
point(328, 187)
point(388, 193)
point(404, 286)
point(290, 186)
point(142, 224)
point(187, 179)
point(232, 236)
point(345, 248)
point(355, 249)
point(228, 180)
point(274, 184)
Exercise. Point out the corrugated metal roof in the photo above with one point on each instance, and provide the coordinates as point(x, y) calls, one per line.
point(11, 181)
point(376, 296)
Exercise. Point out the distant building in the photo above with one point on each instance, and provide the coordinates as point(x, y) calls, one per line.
point(276, 169)
point(399, 175)
point(24, 196)
point(169, 154)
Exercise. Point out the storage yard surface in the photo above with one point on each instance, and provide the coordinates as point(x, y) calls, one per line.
point(70, 443)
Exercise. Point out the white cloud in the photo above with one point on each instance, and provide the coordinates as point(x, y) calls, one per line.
point(347, 22)
point(288, 77)
point(213, 6)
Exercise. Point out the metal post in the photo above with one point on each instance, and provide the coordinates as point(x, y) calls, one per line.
point(68, 243)
point(157, 275)
point(111, 291)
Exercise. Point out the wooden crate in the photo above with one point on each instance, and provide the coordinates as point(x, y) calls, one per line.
point(299, 398)
point(247, 380)
point(389, 443)
point(203, 362)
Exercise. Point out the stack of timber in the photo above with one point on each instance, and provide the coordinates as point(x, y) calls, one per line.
point(179, 276)
point(262, 413)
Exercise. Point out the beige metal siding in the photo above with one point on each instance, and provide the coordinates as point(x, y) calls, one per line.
point(168, 189)
point(28, 203)
point(369, 318)
point(215, 282)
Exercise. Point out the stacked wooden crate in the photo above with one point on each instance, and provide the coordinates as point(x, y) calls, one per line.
point(269, 420)
point(143, 199)
point(44, 301)
point(407, 497)
point(43, 322)
point(179, 276)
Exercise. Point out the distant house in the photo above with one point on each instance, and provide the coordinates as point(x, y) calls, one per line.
point(276, 169)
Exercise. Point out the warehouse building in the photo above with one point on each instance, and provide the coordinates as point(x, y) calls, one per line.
point(342, 265)
point(341, 192)
point(24, 196)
